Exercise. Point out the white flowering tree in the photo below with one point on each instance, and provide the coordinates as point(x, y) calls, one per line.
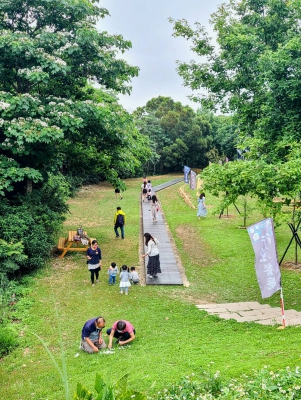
point(50, 119)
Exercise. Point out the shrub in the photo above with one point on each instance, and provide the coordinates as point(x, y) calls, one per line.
point(21, 224)
point(33, 220)
point(263, 384)
point(11, 255)
point(116, 391)
point(8, 340)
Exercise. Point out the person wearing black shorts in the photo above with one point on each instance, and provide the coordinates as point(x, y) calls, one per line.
point(144, 190)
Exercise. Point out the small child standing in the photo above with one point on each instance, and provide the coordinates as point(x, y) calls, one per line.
point(125, 277)
point(134, 276)
point(112, 271)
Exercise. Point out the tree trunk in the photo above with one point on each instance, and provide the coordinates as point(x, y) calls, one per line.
point(28, 186)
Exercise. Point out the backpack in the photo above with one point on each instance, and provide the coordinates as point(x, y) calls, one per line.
point(120, 219)
point(80, 231)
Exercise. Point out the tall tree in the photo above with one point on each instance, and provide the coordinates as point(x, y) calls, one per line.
point(254, 72)
point(49, 52)
point(173, 127)
point(53, 122)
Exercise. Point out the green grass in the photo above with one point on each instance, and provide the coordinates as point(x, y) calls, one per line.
point(174, 338)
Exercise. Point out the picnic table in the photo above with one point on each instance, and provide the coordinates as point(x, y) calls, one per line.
point(69, 244)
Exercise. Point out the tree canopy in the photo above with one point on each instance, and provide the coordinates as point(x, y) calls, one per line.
point(179, 135)
point(60, 121)
point(254, 73)
point(51, 119)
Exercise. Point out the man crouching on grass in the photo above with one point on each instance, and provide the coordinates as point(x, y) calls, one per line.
point(92, 339)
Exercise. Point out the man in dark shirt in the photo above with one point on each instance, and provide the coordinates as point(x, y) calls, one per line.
point(92, 339)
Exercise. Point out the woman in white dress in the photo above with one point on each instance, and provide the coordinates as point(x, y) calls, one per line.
point(202, 211)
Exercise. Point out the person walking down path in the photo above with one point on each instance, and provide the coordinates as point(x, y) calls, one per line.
point(149, 190)
point(123, 331)
point(118, 194)
point(125, 277)
point(119, 222)
point(153, 265)
point(144, 190)
point(202, 211)
point(94, 260)
point(92, 339)
point(154, 207)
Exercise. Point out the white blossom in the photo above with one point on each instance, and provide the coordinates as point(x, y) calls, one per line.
point(4, 105)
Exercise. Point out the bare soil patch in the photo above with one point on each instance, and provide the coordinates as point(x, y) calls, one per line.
point(291, 266)
point(198, 250)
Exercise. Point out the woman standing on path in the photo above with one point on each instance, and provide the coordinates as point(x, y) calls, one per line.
point(154, 207)
point(149, 190)
point(202, 211)
point(153, 265)
point(94, 260)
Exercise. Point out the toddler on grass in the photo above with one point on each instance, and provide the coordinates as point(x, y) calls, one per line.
point(134, 276)
point(125, 277)
point(112, 271)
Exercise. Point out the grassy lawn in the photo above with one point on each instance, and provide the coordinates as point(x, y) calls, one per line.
point(174, 338)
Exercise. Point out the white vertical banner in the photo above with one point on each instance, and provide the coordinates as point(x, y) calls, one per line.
point(262, 236)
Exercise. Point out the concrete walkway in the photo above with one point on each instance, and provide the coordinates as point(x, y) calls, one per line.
point(171, 267)
point(253, 311)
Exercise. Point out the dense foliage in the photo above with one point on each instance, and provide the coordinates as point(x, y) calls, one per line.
point(263, 384)
point(51, 121)
point(253, 72)
point(56, 129)
point(180, 136)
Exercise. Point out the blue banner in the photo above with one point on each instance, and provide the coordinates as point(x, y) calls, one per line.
point(186, 172)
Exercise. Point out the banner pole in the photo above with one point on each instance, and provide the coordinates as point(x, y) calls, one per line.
point(282, 307)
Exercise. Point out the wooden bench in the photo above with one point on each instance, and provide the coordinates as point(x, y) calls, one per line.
point(69, 244)
point(61, 244)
